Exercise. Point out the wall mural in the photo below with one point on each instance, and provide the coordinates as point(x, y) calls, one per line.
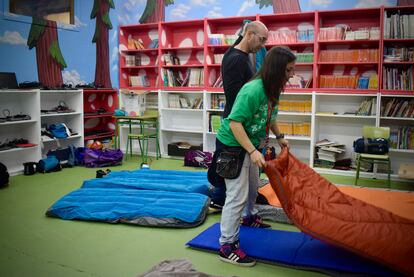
point(74, 59)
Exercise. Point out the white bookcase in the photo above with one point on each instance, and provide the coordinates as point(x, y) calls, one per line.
point(180, 124)
point(20, 102)
point(73, 99)
point(327, 120)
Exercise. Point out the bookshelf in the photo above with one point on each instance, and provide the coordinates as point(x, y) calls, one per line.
point(340, 68)
point(72, 99)
point(98, 108)
point(20, 102)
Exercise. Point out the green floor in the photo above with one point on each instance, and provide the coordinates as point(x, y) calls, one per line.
point(32, 244)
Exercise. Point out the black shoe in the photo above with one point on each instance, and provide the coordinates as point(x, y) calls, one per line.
point(100, 173)
point(215, 208)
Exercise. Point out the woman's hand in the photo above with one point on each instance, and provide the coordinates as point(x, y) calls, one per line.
point(257, 158)
point(283, 143)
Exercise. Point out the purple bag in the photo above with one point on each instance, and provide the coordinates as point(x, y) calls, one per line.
point(198, 158)
point(101, 158)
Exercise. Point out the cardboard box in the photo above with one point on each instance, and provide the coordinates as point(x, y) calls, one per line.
point(179, 148)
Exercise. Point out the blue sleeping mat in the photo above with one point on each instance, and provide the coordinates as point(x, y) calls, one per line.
point(293, 249)
point(140, 207)
point(167, 180)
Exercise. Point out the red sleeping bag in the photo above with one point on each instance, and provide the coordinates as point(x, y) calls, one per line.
point(321, 210)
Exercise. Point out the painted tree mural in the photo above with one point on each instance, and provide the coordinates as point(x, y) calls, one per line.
point(50, 62)
point(155, 11)
point(100, 11)
point(405, 2)
point(280, 6)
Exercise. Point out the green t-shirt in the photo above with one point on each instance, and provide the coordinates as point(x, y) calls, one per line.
point(250, 109)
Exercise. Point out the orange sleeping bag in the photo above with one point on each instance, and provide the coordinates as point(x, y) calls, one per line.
point(320, 209)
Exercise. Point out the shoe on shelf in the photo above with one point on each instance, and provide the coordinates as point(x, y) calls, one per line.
point(254, 221)
point(215, 208)
point(231, 253)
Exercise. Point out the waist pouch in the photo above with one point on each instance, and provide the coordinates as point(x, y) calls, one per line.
point(230, 162)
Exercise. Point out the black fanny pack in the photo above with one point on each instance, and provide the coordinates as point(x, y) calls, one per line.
point(230, 162)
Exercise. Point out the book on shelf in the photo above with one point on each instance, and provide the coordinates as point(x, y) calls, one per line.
point(398, 25)
point(183, 103)
point(215, 122)
point(398, 78)
point(367, 107)
point(398, 54)
point(218, 101)
point(297, 81)
point(170, 59)
point(398, 108)
point(402, 138)
point(139, 81)
point(198, 103)
point(135, 44)
point(354, 55)
point(304, 106)
point(174, 101)
point(196, 78)
point(219, 82)
point(304, 57)
point(294, 128)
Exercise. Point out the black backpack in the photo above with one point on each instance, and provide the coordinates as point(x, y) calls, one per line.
point(4, 176)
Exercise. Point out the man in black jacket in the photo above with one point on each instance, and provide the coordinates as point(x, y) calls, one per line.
point(236, 70)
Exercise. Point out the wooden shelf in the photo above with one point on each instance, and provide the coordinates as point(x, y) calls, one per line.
point(350, 42)
point(140, 67)
point(182, 65)
point(348, 63)
point(166, 49)
point(149, 50)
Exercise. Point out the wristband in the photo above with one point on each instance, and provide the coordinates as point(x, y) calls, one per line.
point(251, 152)
point(281, 135)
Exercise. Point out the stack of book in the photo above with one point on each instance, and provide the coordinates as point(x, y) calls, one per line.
point(218, 101)
point(139, 81)
point(398, 108)
point(398, 25)
point(398, 78)
point(398, 54)
point(215, 122)
point(218, 83)
point(367, 107)
point(328, 153)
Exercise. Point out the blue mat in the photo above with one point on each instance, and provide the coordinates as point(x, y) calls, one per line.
point(139, 207)
point(293, 249)
point(161, 180)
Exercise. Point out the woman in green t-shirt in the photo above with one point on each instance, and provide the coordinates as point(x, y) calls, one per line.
point(252, 116)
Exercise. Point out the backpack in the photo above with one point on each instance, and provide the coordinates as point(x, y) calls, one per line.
point(49, 164)
point(4, 176)
point(378, 146)
point(198, 158)
point(101, 158)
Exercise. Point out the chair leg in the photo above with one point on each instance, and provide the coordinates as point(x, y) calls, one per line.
point(157, 145)
point(126, 152)
point(130, 147)
point(389, 173)
point(357, 171)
